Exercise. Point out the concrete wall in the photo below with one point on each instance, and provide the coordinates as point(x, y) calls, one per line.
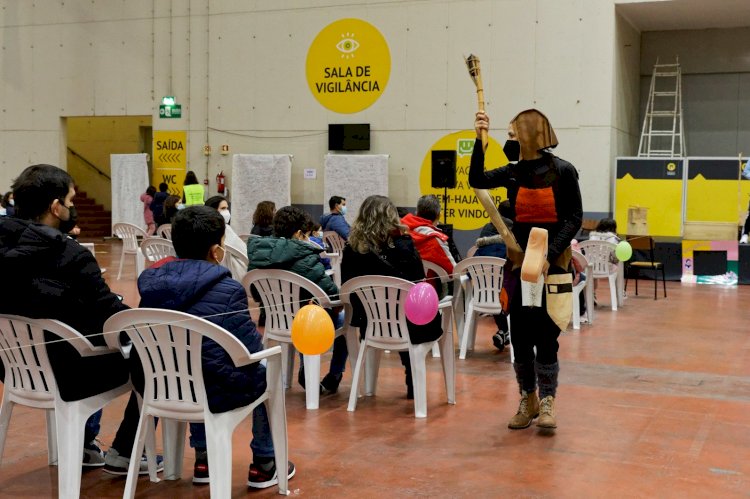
point(716, 85)
point(237, 68)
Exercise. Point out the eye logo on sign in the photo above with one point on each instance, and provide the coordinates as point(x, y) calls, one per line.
point(348, 66)
point(347, 46)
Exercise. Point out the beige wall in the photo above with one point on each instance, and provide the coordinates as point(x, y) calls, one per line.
point(237, 68)
point(95, 138)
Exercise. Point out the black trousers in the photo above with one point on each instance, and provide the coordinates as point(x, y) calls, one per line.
point(532, 327)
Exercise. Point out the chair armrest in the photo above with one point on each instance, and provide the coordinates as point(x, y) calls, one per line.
point(258, 356)
point(82, 344)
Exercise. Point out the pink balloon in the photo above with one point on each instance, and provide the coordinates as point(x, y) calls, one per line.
point(421, 304)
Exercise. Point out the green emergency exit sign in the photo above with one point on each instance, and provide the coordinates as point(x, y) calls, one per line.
point(169, 108)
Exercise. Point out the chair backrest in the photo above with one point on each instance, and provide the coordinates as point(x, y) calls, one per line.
point(169, 345)
point(129, 234)
point(583, 263)
point(336, 242)
point(442, 275)
point(383, 300)
point(28, 374)
point(641, 243)
point(156, 248)
point(598, 254)
point(280, 293)
point(486, 273)
point(165, 231)
point(471, 251)
point(236, 261)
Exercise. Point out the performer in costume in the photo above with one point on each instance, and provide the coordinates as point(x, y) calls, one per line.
point(543, 192)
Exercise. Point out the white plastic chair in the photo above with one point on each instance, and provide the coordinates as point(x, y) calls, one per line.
point(157, 248)
point(236, 261)
point(29, 381)
point(337, 243)
point(280, 293)
point(583, 286)
point(382, 298)
point(164, 231)
point(598, 254)
point(445, 302)
point(169, 346)
point(483, 289)
point(129, 234)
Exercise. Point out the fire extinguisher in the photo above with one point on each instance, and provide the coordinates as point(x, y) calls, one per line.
point(220, 181)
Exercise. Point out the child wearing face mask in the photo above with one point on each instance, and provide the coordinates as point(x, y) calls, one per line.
point(7, 205)
point(195, 283)
point(314, 235)
point(289, 249)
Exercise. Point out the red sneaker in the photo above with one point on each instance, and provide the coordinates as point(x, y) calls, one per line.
point(258, 478)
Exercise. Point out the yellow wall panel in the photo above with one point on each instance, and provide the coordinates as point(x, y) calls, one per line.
point(663, 198)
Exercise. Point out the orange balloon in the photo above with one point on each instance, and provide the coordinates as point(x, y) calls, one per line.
point(312, 330)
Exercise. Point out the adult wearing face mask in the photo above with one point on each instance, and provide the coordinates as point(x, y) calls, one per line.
point(54, 277)
point(543, 192)
point(220, 204)
point(335, 220)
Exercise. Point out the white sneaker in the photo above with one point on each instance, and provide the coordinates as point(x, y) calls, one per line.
point(743, 239)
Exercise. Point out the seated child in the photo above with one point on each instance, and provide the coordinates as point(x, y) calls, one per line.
point(289, 249)
point(196, 283)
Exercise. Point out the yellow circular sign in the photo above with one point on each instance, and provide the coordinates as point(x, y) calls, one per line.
point(463, 209)
point(671, 167)
point(348, 66)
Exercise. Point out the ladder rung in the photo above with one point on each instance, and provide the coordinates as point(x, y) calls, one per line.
point(669, 73)
point(661, 151)
point(673, 65)
point(662, 133)
point(662, 113)
point(672, 93)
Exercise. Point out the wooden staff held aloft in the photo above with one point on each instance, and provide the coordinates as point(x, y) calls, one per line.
point(475, 71)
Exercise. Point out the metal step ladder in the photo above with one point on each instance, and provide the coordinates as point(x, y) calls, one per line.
point(663, 135)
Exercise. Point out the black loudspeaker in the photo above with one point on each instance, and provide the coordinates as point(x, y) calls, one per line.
point(444, 169)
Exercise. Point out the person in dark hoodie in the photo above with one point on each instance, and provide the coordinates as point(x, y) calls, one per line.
point(289, 250)
point(335, 220)
point(196, 283)
point(54, 277)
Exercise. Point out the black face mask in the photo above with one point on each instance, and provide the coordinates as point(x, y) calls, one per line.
point(68, 225)
point(512, 150)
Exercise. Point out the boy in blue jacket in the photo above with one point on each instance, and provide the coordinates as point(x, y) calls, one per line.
point(195, 283)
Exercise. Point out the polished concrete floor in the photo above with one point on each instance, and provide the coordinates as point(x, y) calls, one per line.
point(654, 401)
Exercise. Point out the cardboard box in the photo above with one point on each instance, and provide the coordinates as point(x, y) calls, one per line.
point(637, 221)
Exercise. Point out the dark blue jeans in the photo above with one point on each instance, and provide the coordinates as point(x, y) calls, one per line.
point(262, 443)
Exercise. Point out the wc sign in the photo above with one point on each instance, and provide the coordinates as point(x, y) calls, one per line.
point(169, 160)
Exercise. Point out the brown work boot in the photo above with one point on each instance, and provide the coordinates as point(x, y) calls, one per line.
point(547, 413)
point(528, 409)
